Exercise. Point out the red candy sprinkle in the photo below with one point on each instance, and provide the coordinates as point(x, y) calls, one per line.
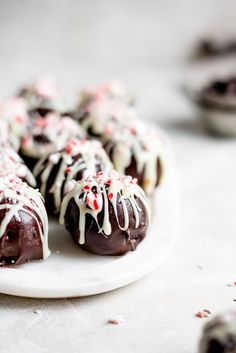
point(86, 187)
point(110, 195)
point(25, 141)
point(68, 170)
point(95, 204)
point(133, 131)
point(202, 314)
point(20, 119)
point(68, 149)
point(41, 122)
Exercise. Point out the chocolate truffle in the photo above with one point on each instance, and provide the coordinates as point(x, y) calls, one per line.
point(48, 134)
point(100, 110)
point(219, 334)
point(12, 162)
point(217, 104)
point(14, 112)
point(78, 159)
point(106, 214)
point(215, 47)
point(23, 222)
point(138, 152)
point(43, 96)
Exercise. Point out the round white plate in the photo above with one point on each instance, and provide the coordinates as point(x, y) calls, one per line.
point(71, 271)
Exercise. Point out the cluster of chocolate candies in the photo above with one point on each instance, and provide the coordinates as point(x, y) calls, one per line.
point(93, 167)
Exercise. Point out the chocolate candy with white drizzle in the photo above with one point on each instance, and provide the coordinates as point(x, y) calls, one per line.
point(23, 222)
point(78, 159)
point(219, 334)
point(138, 152)
point(101, 111)
point(106, 214)
point(49, 134)
point(43, 96)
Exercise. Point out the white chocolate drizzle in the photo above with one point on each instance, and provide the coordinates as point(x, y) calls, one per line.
point(79, 156)
point(144, 146)
point(5, 134)
point(20, 197)
point(96, 193)
point(12, 162)
point(55, 129)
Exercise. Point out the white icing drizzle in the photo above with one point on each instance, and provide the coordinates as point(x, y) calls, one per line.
point(79, 156)
point(145, 146)
point(219, 328)
point(11, 161)
point(21, 197)
point(4, 133)
point(94, 194)
point(56, 129)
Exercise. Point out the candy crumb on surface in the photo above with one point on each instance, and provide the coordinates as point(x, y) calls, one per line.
point(116, 320)
point(37, 311)
point(203, 313)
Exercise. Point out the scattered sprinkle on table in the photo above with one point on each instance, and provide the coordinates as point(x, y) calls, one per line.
point(116, 320)
point(37, 311)
point(202, 314)
point(200, 267)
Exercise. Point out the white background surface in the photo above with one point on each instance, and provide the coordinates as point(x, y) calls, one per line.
point(144, 43)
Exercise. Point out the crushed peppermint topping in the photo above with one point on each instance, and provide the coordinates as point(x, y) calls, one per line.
point(11, 161)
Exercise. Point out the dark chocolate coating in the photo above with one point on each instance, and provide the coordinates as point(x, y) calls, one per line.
point(21, 241)
point(219, 94)
point(48, 198)
point(119, 241)
point(29, 161)
point(215, 346)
